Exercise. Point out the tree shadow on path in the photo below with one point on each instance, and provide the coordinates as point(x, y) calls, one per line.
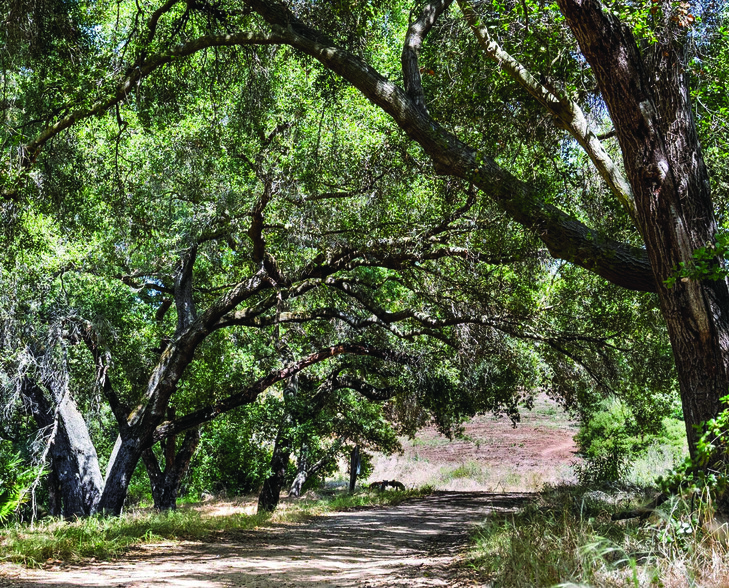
point(411, 544)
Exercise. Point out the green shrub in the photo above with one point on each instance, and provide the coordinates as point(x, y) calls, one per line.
point(607, 443)
point(233, 458)
point(15, 481)
point(706, 475)
point(614, 436)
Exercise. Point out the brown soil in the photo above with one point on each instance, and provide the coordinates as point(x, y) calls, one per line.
point(539, 450)
point(414, 544)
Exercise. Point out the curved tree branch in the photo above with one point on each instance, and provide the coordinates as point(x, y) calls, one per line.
point(565, 237)
point(251, 392)
point(364, 388)
point(562, 108)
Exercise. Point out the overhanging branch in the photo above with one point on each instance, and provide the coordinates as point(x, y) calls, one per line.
point(411, 50)
point(565, 237)
point(250, 393)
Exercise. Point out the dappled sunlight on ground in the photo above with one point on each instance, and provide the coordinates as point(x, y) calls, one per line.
point(226, 507)
point(412, 544)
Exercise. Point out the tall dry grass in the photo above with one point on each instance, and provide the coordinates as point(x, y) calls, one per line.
point(569, 539)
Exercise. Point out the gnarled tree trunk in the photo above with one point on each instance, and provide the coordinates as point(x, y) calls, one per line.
point(166, 483)
point(76, 476)
point(649, 101)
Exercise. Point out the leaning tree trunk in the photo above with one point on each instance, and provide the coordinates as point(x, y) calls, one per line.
point(76, 476)
point(650, 105)
point(305, 470)
point(123, 461)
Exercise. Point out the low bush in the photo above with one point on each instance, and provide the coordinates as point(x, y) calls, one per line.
point(614, 436)
point(706, 476)
point(15, 481)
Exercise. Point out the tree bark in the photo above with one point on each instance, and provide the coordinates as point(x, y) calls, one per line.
point(354, 465)
point(271, 491)
point(76, 473)
point(302, 473)
point(124, 459)
point(649, 102)
point(55, 495)
point(166, 483)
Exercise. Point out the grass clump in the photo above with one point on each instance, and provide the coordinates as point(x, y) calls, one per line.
point(365, 498)
point(471, 469)
point(569, 539)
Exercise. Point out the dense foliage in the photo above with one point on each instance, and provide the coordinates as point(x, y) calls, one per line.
point(374, 206)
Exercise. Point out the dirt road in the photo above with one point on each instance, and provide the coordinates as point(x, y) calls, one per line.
point(413, 544)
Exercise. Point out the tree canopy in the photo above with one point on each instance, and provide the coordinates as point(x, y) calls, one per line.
point(459, 203)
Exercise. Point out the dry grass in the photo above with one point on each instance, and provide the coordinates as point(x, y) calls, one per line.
point(492, 456)
point(569, 540)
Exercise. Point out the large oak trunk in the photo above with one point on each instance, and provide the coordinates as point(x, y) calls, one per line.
point(649, 101)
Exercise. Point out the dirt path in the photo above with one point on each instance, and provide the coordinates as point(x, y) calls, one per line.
point(413, 544)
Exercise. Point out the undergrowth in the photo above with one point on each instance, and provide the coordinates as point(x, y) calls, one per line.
point(569, 539)
point(108, 537)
